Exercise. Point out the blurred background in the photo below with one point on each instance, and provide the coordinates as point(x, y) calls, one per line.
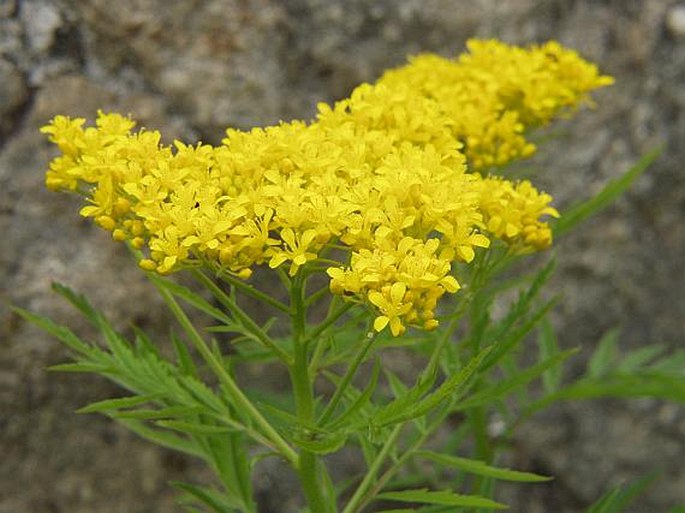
point(190, 69)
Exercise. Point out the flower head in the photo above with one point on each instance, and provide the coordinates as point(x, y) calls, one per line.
point(394, 175)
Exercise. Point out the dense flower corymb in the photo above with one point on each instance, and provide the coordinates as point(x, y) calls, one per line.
point(392, 175)
point(495, 92)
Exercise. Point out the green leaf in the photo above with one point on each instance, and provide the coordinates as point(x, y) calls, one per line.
point(672, 364)
point(481, 468)
point(193, 428)
point(361, 401)
point(118, 403)
point(405, 398)
point(497, 391)
point(190, 508)
point(199, 393)
point(305, 435)
point(218, 502)
point(62, 333)
point(524, 301)
point(408, 407)
point(444, 498)
point(661, 387)
point(119, 349)
point(578, 213)
point(549, 347)
point(439, 509)
point(368, 447)
point(636, 361)
point(284, 419)
point(505, 342)
point(184, 360)
point(320, 443)
point(233, 328)
point(454, 440)
point(191, 298)
point(253, 353)
point(95, 368)
point(399, 389)
point(603, 359)
point(117, 345)
point(143, 344)
point(163, 413)
point(452, 388)
point(77, 300)
point(620, 498)
point(162, 438)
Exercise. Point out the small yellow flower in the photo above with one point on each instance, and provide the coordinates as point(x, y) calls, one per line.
point(390, 303)
point(296, 250)
point(147, 264)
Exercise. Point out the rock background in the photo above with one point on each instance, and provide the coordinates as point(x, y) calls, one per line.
point(191, 68)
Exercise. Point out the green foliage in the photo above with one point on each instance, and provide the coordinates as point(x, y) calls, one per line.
point(650, 371)
point(481, 468)
point(619, 498)
point(207, 497)
point(416, 402)
point(443, 498)
point(547, 348)
point(357, 402)
point(521, 378)
point(181, 412)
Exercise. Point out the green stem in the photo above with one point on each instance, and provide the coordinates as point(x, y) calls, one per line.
point(314, 297)
point(244, 319)
point(367, 491)
point(370, 486)
point(399, 462)
point(484, 452)
point(283, 276)
point(329, 321)
point(440, 346)
point(310, 470)
point(308, 467)
point(253, 292)
point(241, 401)
point(479, 425)
point(349, 374)
point(320, 343)
point(477, 417)
point(356, 502)
point(319, 349)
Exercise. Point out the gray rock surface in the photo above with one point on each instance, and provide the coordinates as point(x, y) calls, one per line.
point(192, 68)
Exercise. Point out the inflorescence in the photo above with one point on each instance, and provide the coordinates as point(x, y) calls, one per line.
point(397, 179)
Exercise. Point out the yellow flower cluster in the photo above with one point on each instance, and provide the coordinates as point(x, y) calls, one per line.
point(380, 175)
point(495, 92)
point(512, 212)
